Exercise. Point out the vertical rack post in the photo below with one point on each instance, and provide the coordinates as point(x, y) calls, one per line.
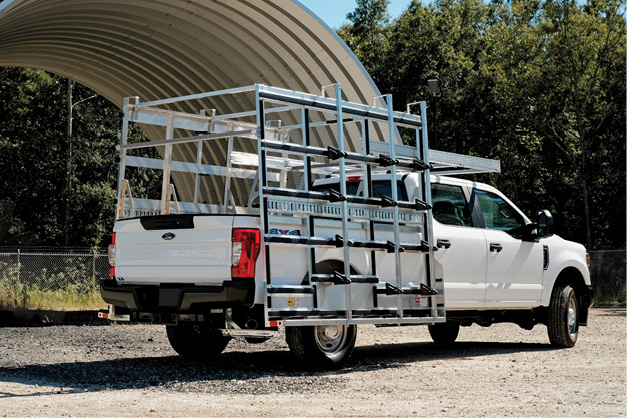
point(420, 153)
point(197, 178)
point(428, 222)
point(340, 140)
point(122, 169)
point(167, 166)
point(227, 180)
point(394, 189)
point(311, 259)
point(368, 191)
point(263, 202)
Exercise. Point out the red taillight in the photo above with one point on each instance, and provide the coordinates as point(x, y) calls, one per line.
point(353, 178)
point(111, 255)
point(246, 246)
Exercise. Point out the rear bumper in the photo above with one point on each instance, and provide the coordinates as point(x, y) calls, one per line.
point(155, 299)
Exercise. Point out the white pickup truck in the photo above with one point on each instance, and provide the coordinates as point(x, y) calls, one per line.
point(340, 249)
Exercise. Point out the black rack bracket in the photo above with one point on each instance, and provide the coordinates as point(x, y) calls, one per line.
point(339, 241)
point(419, 165)
point(421, 205)
point(334, 153)
point(335, 196)
point(426, 290)
point(390, 289)
point(386, 161)
point(339, 278)
point(388, 202)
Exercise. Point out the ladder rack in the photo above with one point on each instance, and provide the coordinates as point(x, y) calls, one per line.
point(369, 256)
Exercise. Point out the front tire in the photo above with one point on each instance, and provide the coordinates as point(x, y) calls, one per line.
point(196, 342)
point(322, 346)
point(444, 334)
point(563, 317)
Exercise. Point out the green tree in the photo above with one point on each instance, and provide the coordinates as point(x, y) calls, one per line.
point(32, 157)
point(366, 33)
point(36, 163)
point(34, 146)
point(583, 109)
point(540, 86)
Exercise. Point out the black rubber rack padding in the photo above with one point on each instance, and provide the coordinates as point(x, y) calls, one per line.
point(291, 289)
point(423, 290)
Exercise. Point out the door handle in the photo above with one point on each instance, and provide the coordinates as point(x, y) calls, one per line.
point(443, 243)
point(496, 248)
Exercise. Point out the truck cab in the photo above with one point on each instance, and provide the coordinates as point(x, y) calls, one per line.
point(498, 265)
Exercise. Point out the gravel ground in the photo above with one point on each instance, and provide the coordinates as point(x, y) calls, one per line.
point(130, 370)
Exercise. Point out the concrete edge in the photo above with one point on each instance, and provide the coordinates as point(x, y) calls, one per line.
point(43, 317)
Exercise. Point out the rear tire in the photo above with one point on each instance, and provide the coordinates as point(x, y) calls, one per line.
point(196, 342)
point(444, 334)
point(322, 346)
point(563, 317)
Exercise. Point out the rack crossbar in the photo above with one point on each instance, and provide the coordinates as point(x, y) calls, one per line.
point(198, 96)
point(329, 104)
point(250, 132)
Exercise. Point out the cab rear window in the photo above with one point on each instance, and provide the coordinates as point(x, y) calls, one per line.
point(449, 205)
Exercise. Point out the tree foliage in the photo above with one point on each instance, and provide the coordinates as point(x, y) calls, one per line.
point(538, 85)
point(34, 193)
point(367, 33)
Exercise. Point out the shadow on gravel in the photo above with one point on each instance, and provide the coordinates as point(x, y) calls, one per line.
point(613, 311)
point(395, 355)
point(262, 372)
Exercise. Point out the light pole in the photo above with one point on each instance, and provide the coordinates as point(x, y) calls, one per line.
point(434, 87)
point(68, 168)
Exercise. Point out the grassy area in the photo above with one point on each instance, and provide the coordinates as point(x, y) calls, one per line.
point(77, 290)
point(32, 297)
point(604, 297)
point(61, 284)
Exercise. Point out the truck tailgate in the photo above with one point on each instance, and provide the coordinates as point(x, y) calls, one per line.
point(174, 249)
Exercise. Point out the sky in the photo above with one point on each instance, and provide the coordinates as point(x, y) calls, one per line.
point(334, 12)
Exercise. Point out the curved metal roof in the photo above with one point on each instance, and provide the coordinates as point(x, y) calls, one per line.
point(156, 49)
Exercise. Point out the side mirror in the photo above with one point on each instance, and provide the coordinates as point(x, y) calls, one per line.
point(546, 227)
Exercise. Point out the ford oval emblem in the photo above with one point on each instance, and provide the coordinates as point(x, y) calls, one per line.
point(168, 236)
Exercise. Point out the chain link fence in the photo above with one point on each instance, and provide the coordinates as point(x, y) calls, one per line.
point(608, 275)
point(38, 277)
point(41, 277)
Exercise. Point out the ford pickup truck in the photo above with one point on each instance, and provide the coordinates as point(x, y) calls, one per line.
point(310, 242)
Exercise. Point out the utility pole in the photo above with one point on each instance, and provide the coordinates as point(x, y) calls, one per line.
point(68, 157)
point(68, 168)
point(434, 87)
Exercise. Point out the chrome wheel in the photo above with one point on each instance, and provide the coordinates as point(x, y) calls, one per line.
point(562, 316)
point(330, 338)
point(573, 326)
